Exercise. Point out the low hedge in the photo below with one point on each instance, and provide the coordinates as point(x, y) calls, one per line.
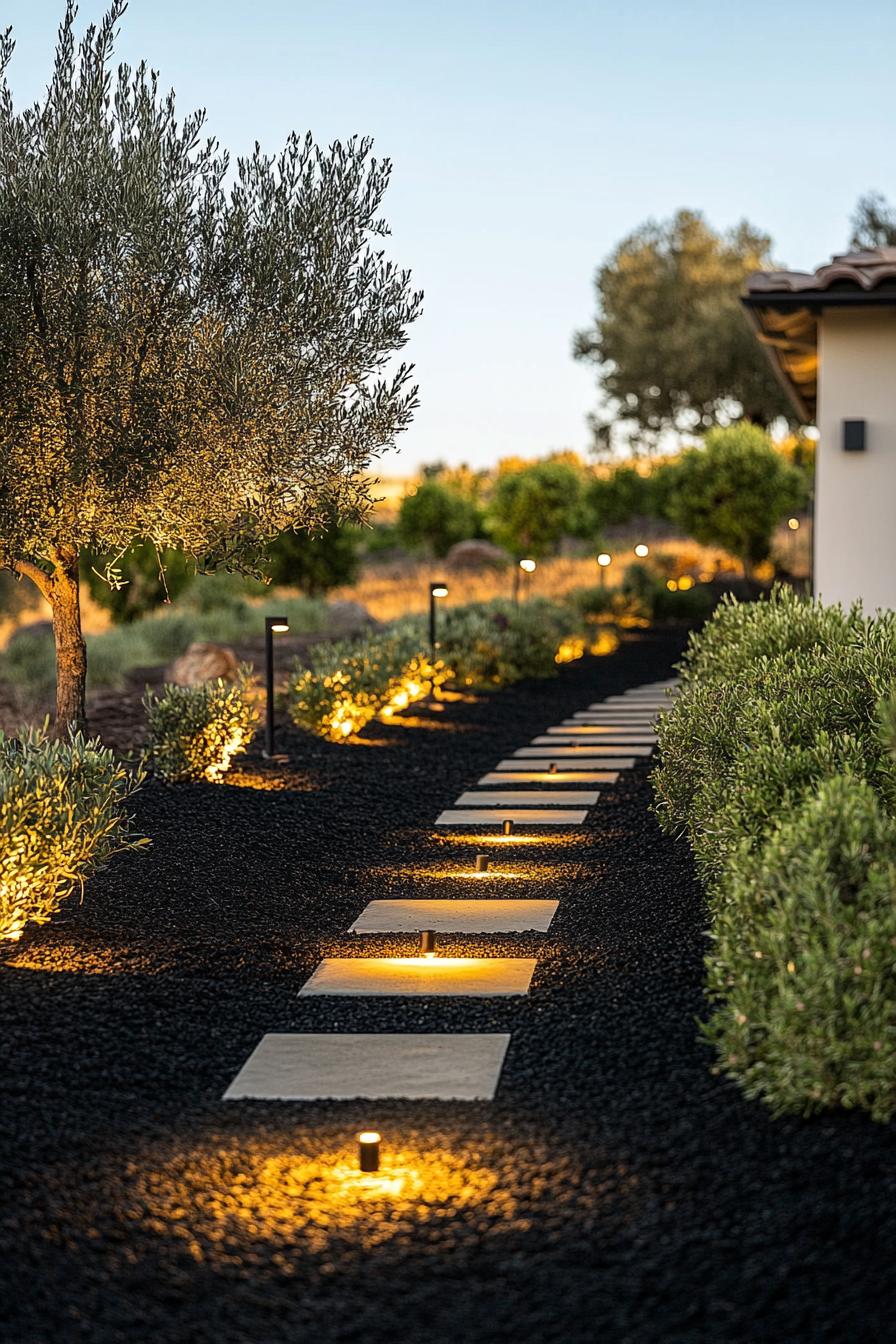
point(62, 816)
point(777, 763)
point(481, 645)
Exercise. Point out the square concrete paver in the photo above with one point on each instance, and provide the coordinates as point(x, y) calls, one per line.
point(287, 1066)
point(456, 916)
point(457, 976)
point(528, 798)
point(525, 816)
point(568, 738)
point(594, 750)
point(509, 772)
point(601, 730)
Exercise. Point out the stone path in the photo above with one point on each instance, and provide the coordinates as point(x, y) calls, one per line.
point(588, 749)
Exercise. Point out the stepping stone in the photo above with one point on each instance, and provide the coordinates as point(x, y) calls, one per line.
point(509, 772)
point(525, 816)
point(287, 1066)
point(601, 730)
point(527, 798)
point(634, 716)
point(456, 916)
point(587, 749)
point(628, 724)
point(457, 976)
point(568, 738)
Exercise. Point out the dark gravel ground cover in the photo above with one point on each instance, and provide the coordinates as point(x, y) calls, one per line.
point(615, 1190)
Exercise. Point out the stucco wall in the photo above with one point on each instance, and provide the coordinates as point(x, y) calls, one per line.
point(855, 500)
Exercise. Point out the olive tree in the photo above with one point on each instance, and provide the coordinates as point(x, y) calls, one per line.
point(194, 354)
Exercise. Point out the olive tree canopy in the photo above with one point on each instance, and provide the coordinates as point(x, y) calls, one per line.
point(191, 354)
point(671, 344)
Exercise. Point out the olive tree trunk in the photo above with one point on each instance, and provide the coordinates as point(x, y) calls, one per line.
point(71, 654)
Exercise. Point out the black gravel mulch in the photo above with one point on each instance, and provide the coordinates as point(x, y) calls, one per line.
point(615, 1190)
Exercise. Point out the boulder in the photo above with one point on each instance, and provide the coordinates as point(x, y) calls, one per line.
point(203, 662)
point(477, 555)
point(345, 618)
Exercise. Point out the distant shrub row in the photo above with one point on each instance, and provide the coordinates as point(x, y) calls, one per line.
point(777, 762)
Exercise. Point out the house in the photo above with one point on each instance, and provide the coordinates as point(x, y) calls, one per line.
point(831, 338)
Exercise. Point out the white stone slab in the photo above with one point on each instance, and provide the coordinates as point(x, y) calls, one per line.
point(584, 760)
point(558, 751)
point(601, 730)
point(508, 772)
point(287, 1066)
point(548, 797)
point(570, 739)
point(466, 976)
point(479, 916)
point(628, 724)
point(493, 816)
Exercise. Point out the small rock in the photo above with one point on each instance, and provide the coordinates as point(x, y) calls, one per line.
point(475, 555)
point(203, 662)
point(345, 618)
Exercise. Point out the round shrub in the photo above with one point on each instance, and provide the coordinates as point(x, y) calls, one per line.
point(195, 731)
point(803, 968)
point(62, 817)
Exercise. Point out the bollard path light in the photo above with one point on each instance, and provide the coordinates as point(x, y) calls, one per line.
point(369, 1150)
point(273, 625)
point(428, 943)
point(507, 827)
point(436, 590)
point(642, 550)
point(526, 567)
point(603, 560)
point(482, 863)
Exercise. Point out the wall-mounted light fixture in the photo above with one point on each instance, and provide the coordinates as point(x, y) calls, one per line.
point(854, 436)
point(273, 625)
point(369, 1150)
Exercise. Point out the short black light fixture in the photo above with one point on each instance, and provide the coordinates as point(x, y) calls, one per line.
point(369, 1150)
point(482, 863)
point(427, 943)
point(507, 826)
point(273, 625)
point(854, 436)
point(604, 560)
point(552, 768)
point(436, 590)
point(527, 567)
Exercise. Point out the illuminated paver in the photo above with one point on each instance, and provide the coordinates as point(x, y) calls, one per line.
point(528, 797)
point(467, 977)
point(526, 816)
point(461, 916)
point(585, 749)
point(287, 1066)
point(509, 772)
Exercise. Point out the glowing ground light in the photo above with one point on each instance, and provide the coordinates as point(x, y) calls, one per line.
point(482, 863)
point(368, 1150)
point(428, 943)
point(507, 827)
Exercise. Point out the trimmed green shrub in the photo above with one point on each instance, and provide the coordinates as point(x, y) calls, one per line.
point(803, 971)
point(496, 643)
point(195, 731)
point(777, 761)
point(62, 817)
point(346, 684)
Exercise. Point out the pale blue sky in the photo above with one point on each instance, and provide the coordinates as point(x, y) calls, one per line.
point(526, 140)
